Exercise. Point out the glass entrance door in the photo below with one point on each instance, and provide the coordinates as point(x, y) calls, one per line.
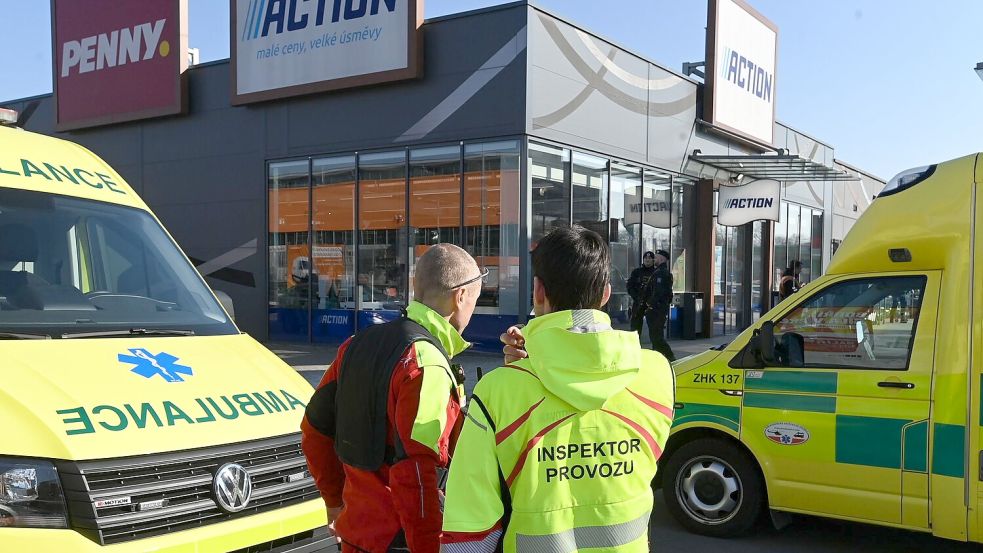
point(732, 311)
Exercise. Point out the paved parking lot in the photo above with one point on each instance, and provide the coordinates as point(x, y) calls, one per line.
point(804, 534)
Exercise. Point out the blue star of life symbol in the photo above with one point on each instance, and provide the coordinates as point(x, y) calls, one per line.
point(148, 365)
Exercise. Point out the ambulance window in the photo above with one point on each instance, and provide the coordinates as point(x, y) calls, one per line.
point(863, 323)
point(73, 266)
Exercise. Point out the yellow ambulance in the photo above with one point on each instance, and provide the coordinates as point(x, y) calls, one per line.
point(858, 397)
point(135, 416)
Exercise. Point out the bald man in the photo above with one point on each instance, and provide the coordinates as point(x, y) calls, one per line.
point(386, 415)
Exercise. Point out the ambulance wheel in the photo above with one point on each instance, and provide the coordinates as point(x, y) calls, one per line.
point(713, 488)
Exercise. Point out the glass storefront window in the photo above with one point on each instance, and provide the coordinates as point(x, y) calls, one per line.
point(793, 235)
point(683, 233)
point(780, 260)
point(735, 291)
point(805, 245)
point(817, 243)
point(382, 278)
point(548, 167)
point(626, 223)
point(589, 180)
point(719, 278)
point(656, 207)
point(757, 288)
point(333, 217)
point(491, 221)
point(289, 249)
point(435, 200)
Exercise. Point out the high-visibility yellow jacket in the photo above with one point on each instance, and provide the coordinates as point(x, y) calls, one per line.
point(558, 451)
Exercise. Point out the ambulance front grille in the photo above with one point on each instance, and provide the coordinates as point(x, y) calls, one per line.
point(135, 489)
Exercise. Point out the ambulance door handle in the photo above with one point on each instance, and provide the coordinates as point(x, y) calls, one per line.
point(896, 384)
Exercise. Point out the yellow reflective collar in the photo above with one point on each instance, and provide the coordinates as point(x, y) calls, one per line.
point(564, 320)
point(442, 330)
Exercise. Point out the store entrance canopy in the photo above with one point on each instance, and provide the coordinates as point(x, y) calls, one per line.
point(764, 166)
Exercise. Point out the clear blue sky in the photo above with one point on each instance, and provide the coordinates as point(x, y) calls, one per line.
point(888, 83)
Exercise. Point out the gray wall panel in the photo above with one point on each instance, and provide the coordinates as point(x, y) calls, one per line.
point(455, 49)
point(586, 91)
point(204, 135)
point(214, 179)
point(590, 93)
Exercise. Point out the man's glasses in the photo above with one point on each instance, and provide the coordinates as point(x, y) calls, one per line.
point(482, 277)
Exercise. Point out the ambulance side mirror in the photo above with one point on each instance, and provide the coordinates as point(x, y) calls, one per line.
point(226, 302)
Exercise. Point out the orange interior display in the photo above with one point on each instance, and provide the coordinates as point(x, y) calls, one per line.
point(334, 207)
point(288, 210)
point(436, 201)
point(383, 203)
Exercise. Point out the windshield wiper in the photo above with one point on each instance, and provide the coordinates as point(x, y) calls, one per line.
point(130, 332)
point(23, 336)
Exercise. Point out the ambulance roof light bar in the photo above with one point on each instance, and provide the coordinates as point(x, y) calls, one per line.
point(8, 117)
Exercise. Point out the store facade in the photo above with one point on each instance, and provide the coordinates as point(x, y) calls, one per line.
point(310, 211)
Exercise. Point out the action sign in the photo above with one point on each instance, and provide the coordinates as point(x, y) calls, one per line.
point(757, 201)
point(742, 47)
point(288, 47)
point(118, 61)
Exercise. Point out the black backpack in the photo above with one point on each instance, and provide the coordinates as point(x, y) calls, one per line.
point(353, 408)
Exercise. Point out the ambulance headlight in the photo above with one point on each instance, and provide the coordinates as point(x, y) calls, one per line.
point(906, 179)
point(30, 494)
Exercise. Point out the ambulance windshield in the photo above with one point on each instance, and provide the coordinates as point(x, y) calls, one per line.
point(71, 266)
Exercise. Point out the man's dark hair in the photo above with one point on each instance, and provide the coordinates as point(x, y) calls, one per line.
point(795, 264)
point(573, 263)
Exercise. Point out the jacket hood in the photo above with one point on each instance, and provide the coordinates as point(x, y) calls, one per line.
point(580, 358)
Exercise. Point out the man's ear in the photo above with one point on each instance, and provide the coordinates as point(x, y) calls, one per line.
point(459, 296)
point(607, 294)
point(538, 291)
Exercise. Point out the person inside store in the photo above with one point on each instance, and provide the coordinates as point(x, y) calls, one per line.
point(560, 446)
point(387, 413)
point(789, 284)
point(650, 287)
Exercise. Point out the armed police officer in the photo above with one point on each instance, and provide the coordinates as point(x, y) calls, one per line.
point(650, 287)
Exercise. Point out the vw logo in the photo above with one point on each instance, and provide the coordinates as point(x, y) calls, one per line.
point(232, 488)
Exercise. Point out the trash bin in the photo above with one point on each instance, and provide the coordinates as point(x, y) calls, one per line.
point(692, 314)
point(675, 318)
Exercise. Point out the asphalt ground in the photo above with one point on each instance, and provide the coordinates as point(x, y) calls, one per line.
point(803, 534)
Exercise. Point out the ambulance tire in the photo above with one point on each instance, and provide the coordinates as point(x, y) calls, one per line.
point(713, 488)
